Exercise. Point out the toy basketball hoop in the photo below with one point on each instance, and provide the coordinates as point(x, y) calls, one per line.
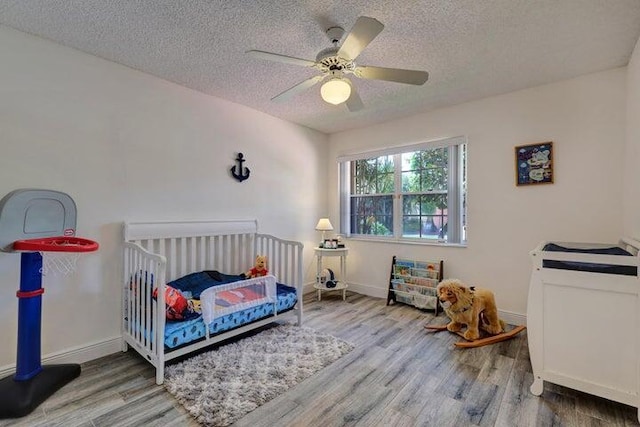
point(41, 225)
point(59, 254)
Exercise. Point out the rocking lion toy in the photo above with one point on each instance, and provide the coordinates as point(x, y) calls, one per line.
point(474, 310)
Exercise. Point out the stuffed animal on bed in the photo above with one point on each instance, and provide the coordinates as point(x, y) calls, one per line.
point(259, 269)
point(195, 305)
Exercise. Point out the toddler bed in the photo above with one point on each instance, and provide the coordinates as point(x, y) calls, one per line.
point(583, 318)
point(203, 261)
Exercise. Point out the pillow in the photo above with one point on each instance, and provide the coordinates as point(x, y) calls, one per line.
point(177, 306)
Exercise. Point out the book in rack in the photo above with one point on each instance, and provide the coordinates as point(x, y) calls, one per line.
point(414, 282)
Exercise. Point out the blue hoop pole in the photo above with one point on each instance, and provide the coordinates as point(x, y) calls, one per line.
point(29, 362)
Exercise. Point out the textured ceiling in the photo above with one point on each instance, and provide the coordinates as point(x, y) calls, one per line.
point(471, 48)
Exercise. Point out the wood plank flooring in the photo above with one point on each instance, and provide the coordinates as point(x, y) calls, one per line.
point(398, 375)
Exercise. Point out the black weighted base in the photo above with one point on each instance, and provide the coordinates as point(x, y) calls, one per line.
point(20, 398)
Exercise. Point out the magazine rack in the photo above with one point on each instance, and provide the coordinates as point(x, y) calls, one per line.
point(42, 222)
point(414, 282)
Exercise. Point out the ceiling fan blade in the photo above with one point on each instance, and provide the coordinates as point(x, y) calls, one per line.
point(281, 58)
point(302, 86)
point(363, 32)
point(354, 103)
point(411, 77)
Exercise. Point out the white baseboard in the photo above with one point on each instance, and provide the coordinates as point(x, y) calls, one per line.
point(354, 287)
point(376, 292)
point(78, 354)
point(368, 290)
point(513, 318)
point(308, 287)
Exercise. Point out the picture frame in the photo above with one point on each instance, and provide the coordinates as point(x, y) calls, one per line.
point(330, 244)
point(534, 163)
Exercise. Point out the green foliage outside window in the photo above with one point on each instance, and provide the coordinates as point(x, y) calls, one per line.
point(424, 181)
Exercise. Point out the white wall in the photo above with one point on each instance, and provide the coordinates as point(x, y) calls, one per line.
point(127, 146)
point(632, 154)
point(585, 119)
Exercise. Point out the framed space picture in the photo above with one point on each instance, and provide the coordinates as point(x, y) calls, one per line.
point(534, 164)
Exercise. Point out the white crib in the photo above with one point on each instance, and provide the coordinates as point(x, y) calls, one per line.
point(164, 251)
point(584, 326)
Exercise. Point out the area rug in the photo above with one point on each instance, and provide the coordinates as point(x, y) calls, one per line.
point(221, 386)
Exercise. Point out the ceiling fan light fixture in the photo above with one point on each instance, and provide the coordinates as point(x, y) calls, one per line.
point(336, 91)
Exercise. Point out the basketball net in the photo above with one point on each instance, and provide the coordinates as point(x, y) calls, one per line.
point(59, 263)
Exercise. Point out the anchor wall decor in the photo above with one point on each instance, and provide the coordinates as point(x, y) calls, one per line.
point(238, 172)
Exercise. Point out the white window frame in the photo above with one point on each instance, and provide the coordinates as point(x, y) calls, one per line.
point(456, 233)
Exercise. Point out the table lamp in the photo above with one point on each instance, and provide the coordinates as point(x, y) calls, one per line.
point(324, 225)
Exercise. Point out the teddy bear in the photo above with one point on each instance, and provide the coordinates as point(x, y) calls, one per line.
point(259, 269)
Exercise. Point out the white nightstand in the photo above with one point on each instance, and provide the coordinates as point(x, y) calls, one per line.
point(342, 283)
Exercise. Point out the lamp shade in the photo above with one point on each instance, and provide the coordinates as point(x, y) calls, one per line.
point(324, 225)
point(336, 91)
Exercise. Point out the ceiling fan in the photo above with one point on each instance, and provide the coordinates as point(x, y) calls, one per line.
point(337, 61)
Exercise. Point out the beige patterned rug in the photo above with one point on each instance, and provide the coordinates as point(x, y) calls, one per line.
point(221, 386)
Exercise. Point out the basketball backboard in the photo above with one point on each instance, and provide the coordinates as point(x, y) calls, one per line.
point(34, 213)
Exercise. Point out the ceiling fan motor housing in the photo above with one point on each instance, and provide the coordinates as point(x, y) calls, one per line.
point(331, 62)
point(328, 58)
point(335, 34)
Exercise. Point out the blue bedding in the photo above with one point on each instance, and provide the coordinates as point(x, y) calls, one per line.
point(177, 333)
point(195, 283)
point(626, 270)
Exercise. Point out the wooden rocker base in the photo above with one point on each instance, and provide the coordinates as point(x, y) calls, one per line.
point(492, 339)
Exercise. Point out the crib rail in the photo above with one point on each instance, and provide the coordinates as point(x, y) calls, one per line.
point(262, 289)
point(283, 256)
point(141, 327)
point(231, 254)
point(284, 259)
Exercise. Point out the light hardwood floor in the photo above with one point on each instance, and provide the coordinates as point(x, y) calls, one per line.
point(398, 375)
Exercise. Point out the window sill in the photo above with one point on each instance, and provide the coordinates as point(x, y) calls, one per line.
point(391, 240)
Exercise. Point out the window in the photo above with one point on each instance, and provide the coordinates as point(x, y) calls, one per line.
point(416, 192)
